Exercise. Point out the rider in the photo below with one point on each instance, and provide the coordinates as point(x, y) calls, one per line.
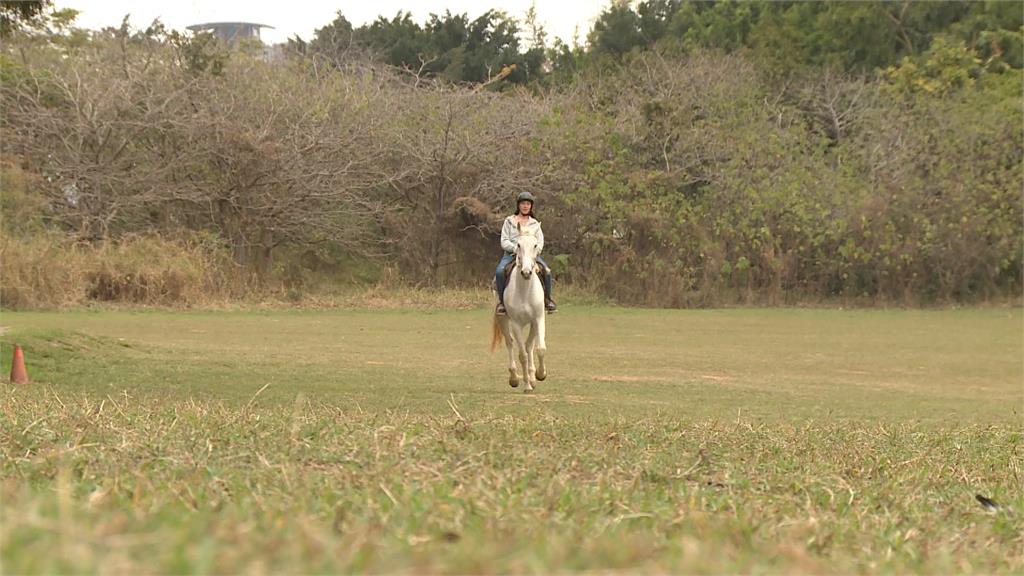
point(509, 236)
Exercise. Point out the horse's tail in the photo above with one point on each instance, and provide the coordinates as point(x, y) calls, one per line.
point(495, 334)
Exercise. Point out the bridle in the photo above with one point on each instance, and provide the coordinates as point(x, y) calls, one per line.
point(519, 258)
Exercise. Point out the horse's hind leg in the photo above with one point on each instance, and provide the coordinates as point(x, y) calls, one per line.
point(540, 348)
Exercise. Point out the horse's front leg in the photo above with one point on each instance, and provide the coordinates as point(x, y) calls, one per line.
point(513, 375)
point(517, 348)
point(527, 357)
point(540, 348)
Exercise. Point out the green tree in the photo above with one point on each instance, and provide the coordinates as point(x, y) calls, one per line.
point(399, 41)
point(448, 46)
point(721, 25)
point(15, 14)
point(334, 40)
point(616, 31)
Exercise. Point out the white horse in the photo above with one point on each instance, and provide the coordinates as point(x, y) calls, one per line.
point(524, 306)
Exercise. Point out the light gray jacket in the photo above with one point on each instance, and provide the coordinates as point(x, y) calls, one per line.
point(510, 234)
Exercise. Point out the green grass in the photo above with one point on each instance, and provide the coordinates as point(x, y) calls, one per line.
point(387, 441)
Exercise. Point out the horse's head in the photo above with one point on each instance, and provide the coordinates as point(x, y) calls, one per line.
point(526, 253)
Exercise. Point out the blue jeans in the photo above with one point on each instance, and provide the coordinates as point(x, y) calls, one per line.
point(499, 274)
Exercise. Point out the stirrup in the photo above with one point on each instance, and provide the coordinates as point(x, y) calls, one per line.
point(550, 306)
point(500, 309)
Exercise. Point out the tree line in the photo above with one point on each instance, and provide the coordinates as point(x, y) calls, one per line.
point(690, 153)
point(782, 36)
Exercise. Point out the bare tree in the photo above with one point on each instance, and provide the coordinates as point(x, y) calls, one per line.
point(286, 158)
point(835, 102)
point(96, 127)
point(456, 158)
point(130, 136)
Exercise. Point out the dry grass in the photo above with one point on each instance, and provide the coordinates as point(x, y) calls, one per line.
point(50, 271)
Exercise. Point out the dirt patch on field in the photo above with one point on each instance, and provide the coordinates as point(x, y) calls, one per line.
point(630, 379)
point(714, 377)
point(571, 399)
point(681, 377)
point(853, 372)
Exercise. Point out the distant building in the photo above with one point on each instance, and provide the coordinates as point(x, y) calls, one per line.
point(232, 32)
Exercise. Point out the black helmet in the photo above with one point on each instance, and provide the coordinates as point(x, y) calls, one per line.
point(525, 196)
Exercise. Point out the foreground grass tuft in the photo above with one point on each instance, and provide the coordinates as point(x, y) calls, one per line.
point(114, 484)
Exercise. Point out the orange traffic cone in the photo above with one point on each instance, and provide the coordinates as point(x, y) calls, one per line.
point(18, 373)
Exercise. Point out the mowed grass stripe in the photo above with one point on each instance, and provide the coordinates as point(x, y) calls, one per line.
point(964, 365)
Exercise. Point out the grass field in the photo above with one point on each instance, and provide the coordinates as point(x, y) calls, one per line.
point(779, 440)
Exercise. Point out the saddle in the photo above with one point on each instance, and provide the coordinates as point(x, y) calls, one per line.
point(542, 273)
point(540, 270)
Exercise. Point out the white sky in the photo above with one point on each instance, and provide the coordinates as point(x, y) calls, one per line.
point(559, 18)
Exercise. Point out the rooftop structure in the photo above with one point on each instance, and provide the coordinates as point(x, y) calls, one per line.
point(231, 32)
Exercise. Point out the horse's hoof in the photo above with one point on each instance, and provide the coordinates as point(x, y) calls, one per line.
point(513, 383)
point(528, 390)
point(541, 376)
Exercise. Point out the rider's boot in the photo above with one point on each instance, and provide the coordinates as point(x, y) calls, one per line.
point(549, 304)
